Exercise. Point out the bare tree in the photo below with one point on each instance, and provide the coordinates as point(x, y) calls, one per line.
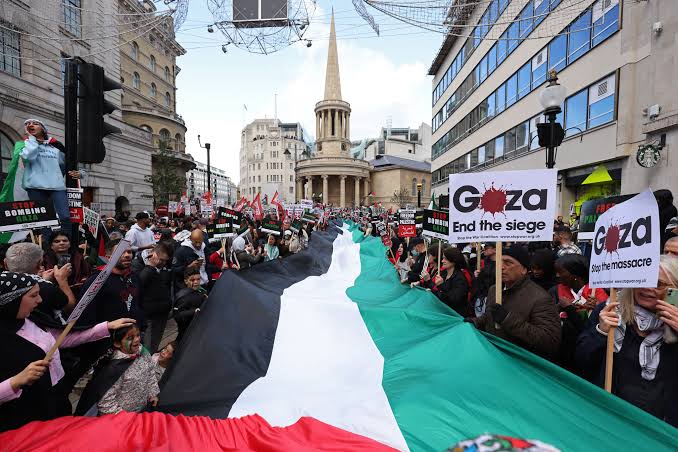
point(400, 197)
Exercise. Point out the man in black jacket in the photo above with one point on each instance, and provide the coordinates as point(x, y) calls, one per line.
point(418, 251)
point(156, 284)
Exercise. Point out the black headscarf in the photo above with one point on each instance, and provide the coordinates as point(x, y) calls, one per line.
point(13, 286)
point(576, 264)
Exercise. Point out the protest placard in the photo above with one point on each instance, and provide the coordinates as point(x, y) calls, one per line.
point(308, 218)
point(514, 206)
point(89, 295)
point(306, 204)
point(95, 206)
point(271, 226)
point(407, 226)
point(626, 245)
point(591, 210)
point(23, 215)
point(75, 204)
point(172, 207)
point(90, 220)
point(436, 224)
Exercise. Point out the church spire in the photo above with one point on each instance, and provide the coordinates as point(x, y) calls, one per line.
point(332, 81)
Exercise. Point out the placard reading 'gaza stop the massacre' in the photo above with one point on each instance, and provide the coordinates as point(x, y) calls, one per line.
point(626, 245)
point(506, 206)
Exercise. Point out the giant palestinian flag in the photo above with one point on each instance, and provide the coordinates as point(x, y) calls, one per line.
point(326, 350)
point(13, 190)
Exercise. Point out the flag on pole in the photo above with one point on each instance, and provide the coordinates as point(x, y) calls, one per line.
point(279, 207)
point(257, 207)
point(241, 204)
point(432, 204)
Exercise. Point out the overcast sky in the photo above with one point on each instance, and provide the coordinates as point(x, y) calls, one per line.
point(381, 77)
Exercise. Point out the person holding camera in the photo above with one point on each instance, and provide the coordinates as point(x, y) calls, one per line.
point(58, 254)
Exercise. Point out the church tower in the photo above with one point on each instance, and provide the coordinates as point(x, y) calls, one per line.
point(332, 114)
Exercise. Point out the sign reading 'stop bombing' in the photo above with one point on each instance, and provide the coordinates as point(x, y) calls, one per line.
point(626, 245)
point(511, 206)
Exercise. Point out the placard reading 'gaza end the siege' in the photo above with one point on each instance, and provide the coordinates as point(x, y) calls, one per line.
point(626, 244)
point(506, 206)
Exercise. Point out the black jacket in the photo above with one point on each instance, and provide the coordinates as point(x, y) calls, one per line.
point(658, 397)
point(118, 297)
point(155, 284)
point(414, 274)
point(454, 292)
point(188, 300)
point(246, 260)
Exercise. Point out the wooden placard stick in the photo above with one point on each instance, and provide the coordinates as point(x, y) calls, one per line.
point(609, 353)
point(439, 263)
point(59, 340)
point(32, 236)
point(497, 274)
point(478, 252)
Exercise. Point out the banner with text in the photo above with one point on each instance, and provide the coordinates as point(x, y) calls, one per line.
point(407, 226)
point(436, 224)
point(18, 215)
point(75, 204)
point(511, 206)
point(626, 245)
point(594, 208)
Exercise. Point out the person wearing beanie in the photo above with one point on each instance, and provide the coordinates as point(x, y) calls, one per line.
point(527, 316)
point(44, 168)
point(27, 379)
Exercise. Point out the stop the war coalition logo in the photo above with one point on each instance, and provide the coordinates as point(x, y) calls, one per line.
point(502, 206)
point(626, 245)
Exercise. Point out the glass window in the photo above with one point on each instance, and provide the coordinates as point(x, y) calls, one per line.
point(492, 59)
point(164, 136)
point(491, 105)
point(482, 111)
point(526, 18)
point(136, 81)
point(494, 12)
point(605, 18)
point(167, 74)
point(481, 154)
point(474, 158)
point(71, 16)
point(10, 51)
point(502, 48)
point(168, 100)
point(483, 69)
point(510, 142)
point(502, 5)
point(414, 186)
point(539, 67)
point(541, 9)
point(555, 3)
point(522, 137)
point(534, 141)
point(557, 53)
point(501, 98)
point(154, 90)
point(524, 78)
point(477, 38)
point(489, 151)
point(575, 113)
point(601, 102)
point(580, 35)
point(6, 151)
point(512, 37)
point(135, 51)
point(512, 90)
point(152, 63)
point(499, 147)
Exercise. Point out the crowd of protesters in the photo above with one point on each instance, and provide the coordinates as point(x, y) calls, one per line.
point(549, 308)
point(116, 347)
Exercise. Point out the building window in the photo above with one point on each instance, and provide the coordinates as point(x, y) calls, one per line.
point(154, 90)
point(512, 90)
point(501, 98)
point(10, 50)
point(291, 190)
point(541, 10)
point(499, 147)
point(423, 186)
point(557, 53)
point(135, 51)
point(136, 81)
point(152, 64)
point(168, 100)
point(605, 17)
point(601, 102)
point(522, 137)
point(580, 35)
point(526, 20)
point(524, 75)
point(6, 151)
point(167, 74)
point(575, 113)
point(146, 128)
point(71, 16)
point(165, 136)
point(539, 67)
point(414, 186)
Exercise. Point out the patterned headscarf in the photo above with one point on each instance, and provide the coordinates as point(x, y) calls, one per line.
point(13, 286)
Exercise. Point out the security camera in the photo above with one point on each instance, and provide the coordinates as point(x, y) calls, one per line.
point(309, 43)
point(223, 48)
point(210, 29)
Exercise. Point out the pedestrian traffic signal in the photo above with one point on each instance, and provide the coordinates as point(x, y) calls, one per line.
point(92, 108)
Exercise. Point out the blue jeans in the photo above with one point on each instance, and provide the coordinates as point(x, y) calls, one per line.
point(60, 201)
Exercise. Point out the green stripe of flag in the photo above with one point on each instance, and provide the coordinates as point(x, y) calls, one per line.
point(446, 381)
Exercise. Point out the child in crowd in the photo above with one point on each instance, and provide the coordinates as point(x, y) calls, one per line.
point(189, 300)
point(163, 358)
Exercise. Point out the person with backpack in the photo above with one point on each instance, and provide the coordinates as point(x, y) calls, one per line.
point(452, 285)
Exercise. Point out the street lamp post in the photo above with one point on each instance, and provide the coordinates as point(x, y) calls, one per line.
point(419, 187)
point(551, 133)
point(209, 168)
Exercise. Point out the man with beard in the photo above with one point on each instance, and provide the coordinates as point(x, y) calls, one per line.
point(120, 293)
point(562, 240)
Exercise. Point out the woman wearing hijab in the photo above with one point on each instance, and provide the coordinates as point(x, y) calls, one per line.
point(645, 345)
point(542, 270)
point(26, 378)
point(244, 254)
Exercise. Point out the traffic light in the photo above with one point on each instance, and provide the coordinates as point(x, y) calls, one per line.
point(92, 108)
